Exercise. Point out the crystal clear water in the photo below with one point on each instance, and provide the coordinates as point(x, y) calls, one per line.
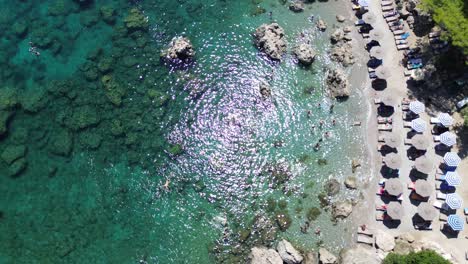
point(95, 126)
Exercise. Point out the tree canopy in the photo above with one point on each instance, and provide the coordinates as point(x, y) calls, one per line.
point(452, 16)
point(422, 257)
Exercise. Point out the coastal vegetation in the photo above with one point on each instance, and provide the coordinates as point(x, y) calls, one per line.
point(452, 16)
point(422, 257)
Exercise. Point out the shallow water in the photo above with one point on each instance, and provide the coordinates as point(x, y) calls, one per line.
point(84, 158)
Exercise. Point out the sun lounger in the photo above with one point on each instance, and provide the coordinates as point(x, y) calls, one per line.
point(369, 69)
point(366, 231)
point(442, 226)
point(401, 41)
point(365, 240)
point(398, 32)
point(441, 196)
point(365, 35)
point(423, 227)
point(435, 120)
point(402, 47)
point(400, 37)
point(440, 177)
point(414, 66)
point(386, 3)
point(390, 13)
point(382, 182)
point(442, 206)
point(437, 185)
point(379, 216)
point(360, 22)
point(435, 34)
point(408, 72)
point(387, 8)
point(436, 138)
point(384, 120)
point(379, 147)
point(404, 108)
point(465, 211)
point(377, 101)
point(405, 101)
point(356, 7)
point(392, 18)
point(397, 27)
point(408, 141)
point(381, 138)
point(385, 127)
point(442, 217)
point(406, 124)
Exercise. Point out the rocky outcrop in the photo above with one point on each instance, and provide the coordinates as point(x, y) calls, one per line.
point(384, 241)
point(180, 48)
point(340, 18)
point(326, 257)
point(288, 253)
point(310, 258)
point(351, 182)
point(296, 6)
point(264, 256)
point(359, 255)
point(332, 187)
point(265, 90)
point(337, 84)
point(430, 245)
point(305, 54)
point(321, 25)
point(342, 209)
point(343, 54)
point(270, 39)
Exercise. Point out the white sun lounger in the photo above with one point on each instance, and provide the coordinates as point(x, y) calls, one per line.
point(406, 124)
point(385, 127)
point(408, 141)
point(442, 217)
point(398, 32)
point(401, 42)
point(387, 8)
point(408, 72)
point(386, 3)
point(435, 34)
point(366, 231)
point(441, 196)
point(435, 120)
point(365, 239)
point(436, 138)
point(392, 18)
point(381, 138)
point(402, 47)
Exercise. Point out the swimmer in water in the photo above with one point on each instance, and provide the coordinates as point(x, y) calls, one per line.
point(166, 185)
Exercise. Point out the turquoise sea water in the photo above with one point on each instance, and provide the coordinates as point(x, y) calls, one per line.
point(94, 126)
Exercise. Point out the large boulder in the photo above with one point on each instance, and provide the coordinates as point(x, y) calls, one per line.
point(342, 53)
point(321, 25)
point(288, 253)
point(310, 258)
point(305, 54)
point(180, 48)
point(337, 84)
point(337, 35)
point(359, 255)
point(351, 182)
point(12, 153)
point(342, 209)
point(384, 241)
point(136, 20)
point(264, 256)
point(270, 39)
point(326, 257)
point(296, 6)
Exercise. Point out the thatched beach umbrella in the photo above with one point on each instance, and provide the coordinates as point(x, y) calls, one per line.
point(445, 119)
point(395, 210)
point(420, 142)
point(448, 138)
point(417, 107)
point(423, 188)
point(423, 165)
point(393, 161)
point(454, 201)
point(455, 222)
point(389, 100)
point(376, 34)
point(377, 52)
point(452, 159)
point(393, 187)
point(418, 125)
point(393, 140)
point(382, 73)
point(427, 212)
point(369, 18)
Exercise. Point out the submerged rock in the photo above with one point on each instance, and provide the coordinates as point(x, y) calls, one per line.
point(12, 153)
point(260, 255)
point(288, 253)
point(326, 257)
point(108, 14)
point(332, 187)
point(337, 84)
point(180, 48)
point(270, 39)
point(311, 258)
point(296, 6)
point(321, 25)
point(265, 90)
point(305, 54)
point(17, 167)
point(62, 143)
point(283, 220)
point(136, 20)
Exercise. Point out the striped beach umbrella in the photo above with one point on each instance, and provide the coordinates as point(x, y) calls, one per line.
point(417, 107)
point(452, 159)
point(455, 222)
point(445, 119)
point(427, 212)
point(423, 165)
point(454, 201)
point(448, 138)
point(452, 178)
point(420, 142)
point(377, 52)
point(418, 125)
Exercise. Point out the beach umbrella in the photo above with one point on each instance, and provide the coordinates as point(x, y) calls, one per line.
point(427, 212)
point(423, 165)
point(364, 3)
point(455, 222)
point(393, 187)
point(423, 188)
point(393, 140)
point(417, 107)
point(420, 142)
point(448, 138)
point(382, 73)
point(389, 100)
point(454, 201)
point(445, 119)
point(369, 18)
point(452, 159)
point(452, 178)
point(376, 34)
point(418, 125)
point(377, 52)
point(393, 161)
point(394, 210)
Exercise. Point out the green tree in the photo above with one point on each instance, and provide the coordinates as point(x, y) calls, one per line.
point(422, 257)
point(452, 16)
